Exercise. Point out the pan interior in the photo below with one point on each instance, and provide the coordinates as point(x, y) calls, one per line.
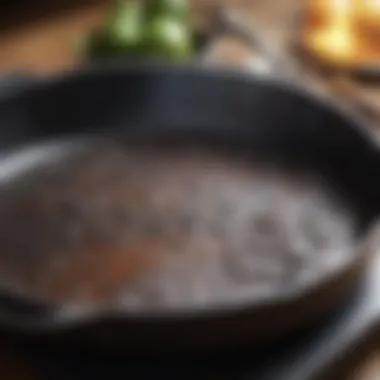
point(169, 222)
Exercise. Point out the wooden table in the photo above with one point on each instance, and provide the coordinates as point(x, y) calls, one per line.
point(42, 39)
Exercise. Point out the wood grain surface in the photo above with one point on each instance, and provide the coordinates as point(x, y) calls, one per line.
point(40, 36)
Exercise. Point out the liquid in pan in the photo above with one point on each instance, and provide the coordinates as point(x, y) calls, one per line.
point(156, 227)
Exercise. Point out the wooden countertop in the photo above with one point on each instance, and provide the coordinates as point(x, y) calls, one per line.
point(41, 39)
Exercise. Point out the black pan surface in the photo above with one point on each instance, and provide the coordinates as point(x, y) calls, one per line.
point(274, 119)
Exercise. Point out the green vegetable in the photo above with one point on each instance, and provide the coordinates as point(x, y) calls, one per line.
point(154, 28)
point(169, 38)
point(122, 33)
point(174, 8)
point(124, 28)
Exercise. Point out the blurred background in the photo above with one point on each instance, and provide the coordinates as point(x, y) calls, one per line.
point(333, 43)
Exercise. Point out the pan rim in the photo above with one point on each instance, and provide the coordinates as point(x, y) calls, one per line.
point(68, 316)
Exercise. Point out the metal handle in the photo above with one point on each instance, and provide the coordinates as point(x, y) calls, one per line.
point(270, 61)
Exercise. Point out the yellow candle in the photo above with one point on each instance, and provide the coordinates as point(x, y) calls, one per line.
point(367, 19)
point(336, 41)
point(369, 9)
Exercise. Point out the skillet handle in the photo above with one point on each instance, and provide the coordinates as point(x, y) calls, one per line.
point(266, 59)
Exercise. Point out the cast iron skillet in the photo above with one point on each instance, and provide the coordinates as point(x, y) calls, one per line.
point(281, 120)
